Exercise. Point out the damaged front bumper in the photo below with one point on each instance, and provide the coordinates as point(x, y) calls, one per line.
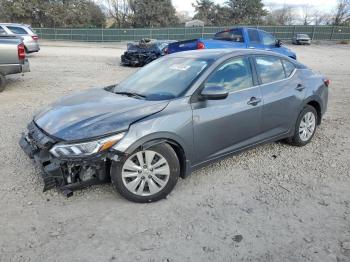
point(138, 58)
point(66, 174)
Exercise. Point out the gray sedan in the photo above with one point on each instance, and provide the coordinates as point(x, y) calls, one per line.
point(175, 115)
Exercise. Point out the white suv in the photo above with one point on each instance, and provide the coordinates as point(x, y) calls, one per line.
point(30, 39)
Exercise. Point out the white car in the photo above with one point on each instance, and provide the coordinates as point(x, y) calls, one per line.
point(301, 39)
point(30, 39)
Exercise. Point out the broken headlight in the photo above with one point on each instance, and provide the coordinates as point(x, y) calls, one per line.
point(85, 148)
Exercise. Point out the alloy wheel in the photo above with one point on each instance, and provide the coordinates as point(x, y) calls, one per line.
point(145, 173)
point(307, 126)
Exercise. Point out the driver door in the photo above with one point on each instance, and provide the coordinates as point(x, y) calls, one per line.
point(223, 126)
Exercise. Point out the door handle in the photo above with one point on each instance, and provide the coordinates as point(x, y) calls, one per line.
point(254, 101)
point(300, 87)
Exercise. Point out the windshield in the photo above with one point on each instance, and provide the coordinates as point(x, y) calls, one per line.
point(303, 35)
point(163, 79)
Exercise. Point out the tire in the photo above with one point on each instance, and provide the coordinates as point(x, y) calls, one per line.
point(300, 138)
point(2, 83)
point(135, 182)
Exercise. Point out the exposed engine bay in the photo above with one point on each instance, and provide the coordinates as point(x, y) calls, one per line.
point(65, 174)
point(144, 51)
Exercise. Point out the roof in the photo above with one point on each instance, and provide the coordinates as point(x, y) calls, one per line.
point(195, 22)
point(15, 24)
point(218, 53)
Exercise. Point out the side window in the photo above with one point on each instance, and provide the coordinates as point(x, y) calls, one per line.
point(17, 30)
point(288, 67)
point(2, 31)
point(234, 75)
point(253, 36)
point(270, 69)
point(267, 39)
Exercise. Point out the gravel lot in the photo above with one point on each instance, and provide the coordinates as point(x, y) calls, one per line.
point(272, 203)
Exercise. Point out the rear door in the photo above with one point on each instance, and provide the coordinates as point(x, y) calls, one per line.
point(282, 93)
point(222, 126)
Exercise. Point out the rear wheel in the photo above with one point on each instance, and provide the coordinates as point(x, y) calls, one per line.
point(305, 127)
point(2, 82)
point(146, 175)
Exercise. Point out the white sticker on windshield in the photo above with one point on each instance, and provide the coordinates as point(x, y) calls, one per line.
point(180, 67)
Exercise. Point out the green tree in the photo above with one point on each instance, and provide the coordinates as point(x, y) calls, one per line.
point(153, 13)
point(52, 13)
point(221, 16)
point(204, 10)
point(246, 11)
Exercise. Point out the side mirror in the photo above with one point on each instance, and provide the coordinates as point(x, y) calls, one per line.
point(213, 93)
point(279, 43)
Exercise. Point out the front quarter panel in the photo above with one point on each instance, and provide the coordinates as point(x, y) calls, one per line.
point(173, 123)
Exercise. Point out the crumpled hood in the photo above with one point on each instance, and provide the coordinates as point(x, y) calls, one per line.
point(94, 113)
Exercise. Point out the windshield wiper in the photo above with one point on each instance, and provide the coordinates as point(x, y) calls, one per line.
point(132, 94)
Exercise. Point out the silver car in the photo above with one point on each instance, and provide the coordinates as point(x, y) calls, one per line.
point(30, 38)
point(301, 39)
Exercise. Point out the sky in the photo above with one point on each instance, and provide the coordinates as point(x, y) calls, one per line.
point(322, 5)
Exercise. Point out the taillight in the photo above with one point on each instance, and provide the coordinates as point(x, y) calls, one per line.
point(35, 37)
point(21, 52)
point(326, 82)
point(200, 45)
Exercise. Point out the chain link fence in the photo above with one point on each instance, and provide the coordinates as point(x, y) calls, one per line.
point(336, 33)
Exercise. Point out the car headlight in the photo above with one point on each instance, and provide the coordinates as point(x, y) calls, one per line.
point(85, 148)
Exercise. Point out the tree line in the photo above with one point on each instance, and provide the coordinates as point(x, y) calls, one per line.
point(52, 13)
point(161, 13)
point(253, 12)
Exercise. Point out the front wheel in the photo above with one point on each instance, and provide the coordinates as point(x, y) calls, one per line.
point(305, 127)
point(146, 175)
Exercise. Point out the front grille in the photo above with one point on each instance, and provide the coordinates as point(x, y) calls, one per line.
point(39, 138)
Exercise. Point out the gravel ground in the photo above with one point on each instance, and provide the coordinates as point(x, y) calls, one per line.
point(272, 203)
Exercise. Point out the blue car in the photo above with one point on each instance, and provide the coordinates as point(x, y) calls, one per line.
point(239, 37)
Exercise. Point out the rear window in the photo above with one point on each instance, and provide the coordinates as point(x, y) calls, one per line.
point(17, 30)
point(270, 69)
point(234, 35)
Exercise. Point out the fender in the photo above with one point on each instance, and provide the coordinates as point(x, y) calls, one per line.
point(319, 101)
point(312, 98)
point(163, 137)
